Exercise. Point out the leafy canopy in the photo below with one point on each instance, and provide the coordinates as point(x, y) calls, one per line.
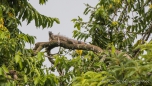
point(13, 54)
point(123, 25)
point(118, 25)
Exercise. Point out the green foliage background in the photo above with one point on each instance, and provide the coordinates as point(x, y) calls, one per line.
point(109, 28)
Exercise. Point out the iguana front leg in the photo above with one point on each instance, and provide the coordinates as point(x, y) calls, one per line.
point(58, 39)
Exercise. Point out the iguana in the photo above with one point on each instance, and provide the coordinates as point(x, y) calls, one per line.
point(63, 38)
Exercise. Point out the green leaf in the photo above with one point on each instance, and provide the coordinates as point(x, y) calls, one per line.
point(36, 20)
point(93, 84)
point(36, 80)
point(20, 65)
point(79, 18)
point(113, 49)
point(10, 22)
point(25, 15)
point(57, 60)
point(17, 58)
point(130, 74)
point(2, 35)
point(41, 18)
point(40, 56)
point(30, 17)
point(1, 71)
point(121, 54)
point(75, 25)
point(1, 12)
point(78, 26)
point(7, 10)
point(37, 72)
point(86, 11)
point(50, 24)
point(5, 68)
point(74, 20)
point(98, 64)
point(42, 1)
point(25, 78)
point(21, 13)
point(57, 20)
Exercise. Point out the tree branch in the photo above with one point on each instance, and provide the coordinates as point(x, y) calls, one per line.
point(65, 42)
point(54, 43)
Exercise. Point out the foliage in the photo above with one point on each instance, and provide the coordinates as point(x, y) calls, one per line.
point(117, 70)
point(115, 21)
point(114, 25)
point(13, 54)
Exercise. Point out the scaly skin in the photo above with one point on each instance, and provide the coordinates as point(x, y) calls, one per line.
point(63, 38)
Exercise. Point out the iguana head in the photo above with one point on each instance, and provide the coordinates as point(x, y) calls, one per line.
point(50, 33)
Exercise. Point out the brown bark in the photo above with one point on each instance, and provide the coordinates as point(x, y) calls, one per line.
point(13, 74)
point(54, 43)
point(65, 42)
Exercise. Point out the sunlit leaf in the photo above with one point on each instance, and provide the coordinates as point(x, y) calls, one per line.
point(113, 49)
point(57, 20)
point(36, 80)
point(1, 71)
point(17, 58)
point(5, 69)
point(25, 78)
point(39, 56)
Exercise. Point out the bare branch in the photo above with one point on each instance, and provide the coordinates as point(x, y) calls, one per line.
point(54, 43)
point(58, 40)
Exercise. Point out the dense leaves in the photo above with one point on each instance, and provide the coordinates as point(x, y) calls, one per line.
point(115, 21)
point(114, 25)
point(120, 23)
point(14, 56)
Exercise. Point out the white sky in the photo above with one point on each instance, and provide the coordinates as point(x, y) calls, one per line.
point(65, 10)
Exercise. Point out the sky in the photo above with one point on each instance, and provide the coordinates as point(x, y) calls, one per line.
point(65, 10)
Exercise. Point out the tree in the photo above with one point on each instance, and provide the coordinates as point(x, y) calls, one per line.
point(102, 62)
point(115, 25)
point(18, 66)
